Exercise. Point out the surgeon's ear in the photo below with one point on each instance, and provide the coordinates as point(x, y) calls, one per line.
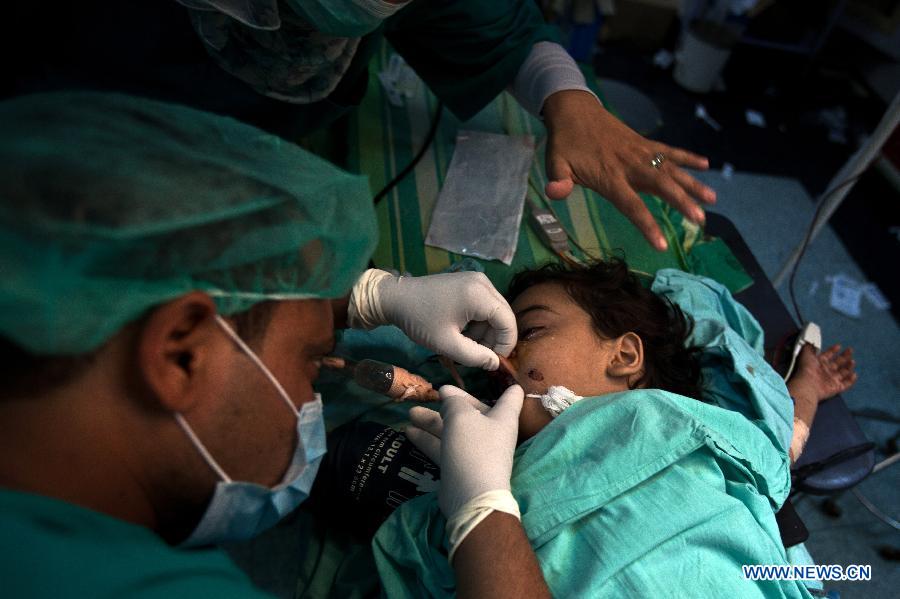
point(178, 345)
point(627, 359)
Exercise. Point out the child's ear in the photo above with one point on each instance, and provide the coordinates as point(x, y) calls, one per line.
point(627, 359)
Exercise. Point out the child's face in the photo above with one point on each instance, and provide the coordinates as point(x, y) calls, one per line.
point(558, 345)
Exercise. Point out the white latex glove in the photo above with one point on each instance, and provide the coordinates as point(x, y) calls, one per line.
point(447, 313)
point(473, 444)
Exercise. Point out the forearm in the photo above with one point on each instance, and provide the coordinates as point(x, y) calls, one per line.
point(495, 560)
point(805, 405)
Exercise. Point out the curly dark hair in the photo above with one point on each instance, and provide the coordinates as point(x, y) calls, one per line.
point(618, 303)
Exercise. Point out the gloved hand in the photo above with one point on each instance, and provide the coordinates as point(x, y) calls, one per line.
point(435, 310)
point(474, 446)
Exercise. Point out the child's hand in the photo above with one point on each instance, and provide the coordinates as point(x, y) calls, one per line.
point(824, 375)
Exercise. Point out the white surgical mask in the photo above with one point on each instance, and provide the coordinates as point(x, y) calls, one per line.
point(241, 510)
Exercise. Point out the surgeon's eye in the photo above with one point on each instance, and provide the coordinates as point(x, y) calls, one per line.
point(529, 333)
point(314, 366)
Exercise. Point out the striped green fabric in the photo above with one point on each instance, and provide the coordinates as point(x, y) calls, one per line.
point(384, 139)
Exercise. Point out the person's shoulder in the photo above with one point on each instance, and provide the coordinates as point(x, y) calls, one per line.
point(51, 548)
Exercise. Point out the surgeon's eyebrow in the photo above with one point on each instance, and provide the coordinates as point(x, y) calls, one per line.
point(532, 308)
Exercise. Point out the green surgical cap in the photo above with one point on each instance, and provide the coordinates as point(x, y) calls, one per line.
point(113, 204)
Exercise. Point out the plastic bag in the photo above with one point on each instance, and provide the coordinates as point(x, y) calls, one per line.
point(479, 209)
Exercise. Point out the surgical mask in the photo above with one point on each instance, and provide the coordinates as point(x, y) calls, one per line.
point(345, 18)
point(241, 510)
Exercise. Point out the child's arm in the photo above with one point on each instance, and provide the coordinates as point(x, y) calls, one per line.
point(818, 377)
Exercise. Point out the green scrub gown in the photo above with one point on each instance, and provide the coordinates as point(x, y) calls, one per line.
point(50, 548)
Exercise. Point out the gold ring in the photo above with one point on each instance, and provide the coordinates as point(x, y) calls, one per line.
point(658, 159)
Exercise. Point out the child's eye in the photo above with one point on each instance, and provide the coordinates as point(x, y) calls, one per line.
point(529, 333)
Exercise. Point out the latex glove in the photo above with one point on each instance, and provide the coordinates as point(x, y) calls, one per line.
point(435, 311)
point(589, 146)
point(473, 444)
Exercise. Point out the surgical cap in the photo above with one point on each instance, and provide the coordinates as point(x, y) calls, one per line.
point(110, 205)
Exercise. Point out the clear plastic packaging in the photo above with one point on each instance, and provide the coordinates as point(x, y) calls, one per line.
point(479, 208)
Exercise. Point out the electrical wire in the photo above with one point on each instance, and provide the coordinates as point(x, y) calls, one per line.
point(569, 259)
point(893, 523)
point(886, 462)
point(808, 237)
point(429, 137)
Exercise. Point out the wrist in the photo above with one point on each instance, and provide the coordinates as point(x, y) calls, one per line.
point(364, 308)
point(802, 393)
point(473, 512)
point(560, 105)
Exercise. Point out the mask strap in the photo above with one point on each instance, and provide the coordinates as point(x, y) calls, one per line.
point(201, 448)
point(255, 359)
point(379, 8)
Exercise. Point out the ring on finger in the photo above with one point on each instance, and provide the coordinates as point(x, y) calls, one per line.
point(657, 160)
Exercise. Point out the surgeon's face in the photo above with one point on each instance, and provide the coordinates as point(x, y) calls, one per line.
point(558, 345)
point(259, 430)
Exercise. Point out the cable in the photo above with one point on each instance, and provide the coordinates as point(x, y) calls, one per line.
point(886, 462)
point(812, 225)
point(568, 256)
point(435, 121)
point(875, 511)
point(569, 259)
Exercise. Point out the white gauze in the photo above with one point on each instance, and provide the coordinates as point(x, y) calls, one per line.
point(556, 399)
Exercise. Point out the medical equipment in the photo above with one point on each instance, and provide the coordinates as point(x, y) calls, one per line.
point(549, 228)
point(369, 470)
point(551, 231)
point(556, 238)
point(387, 379)
point(811, 334)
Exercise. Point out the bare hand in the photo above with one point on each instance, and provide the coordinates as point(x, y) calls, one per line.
point(824, 375)
point(589, 146)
